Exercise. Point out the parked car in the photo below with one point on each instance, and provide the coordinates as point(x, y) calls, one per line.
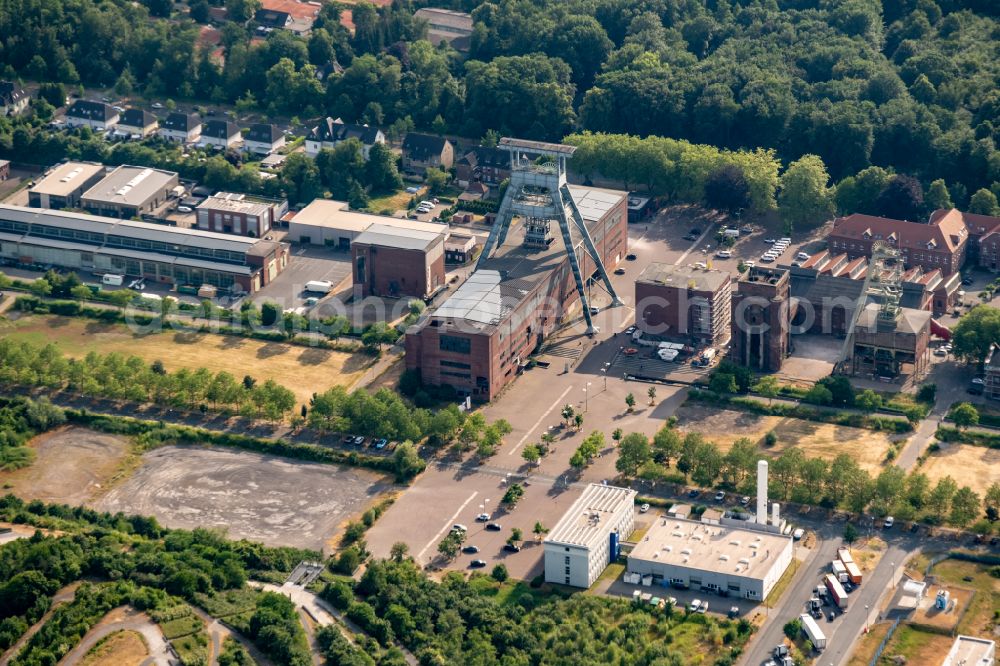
point(744, 500)
point(483, 517)
point(694, 606)
point(830, 616)
point(720, 496)
point(381, 443)
point(703, 607)
point(630, 330)
point(459, 527)
point(734, 612)
point(889, 522)
point(630, 257)
point(798, 533)
point(494, 527)
point(940, 352)
point(470, 550)
point(477, 564)
point(644, 508)
point(801, 256)
point(348, 439)
point(359, 440)
point(619, 271)
point(724, 254)
point(693, 493)
point(184, 209)
point(594, 310)
point(967, 280)
point(512, 548)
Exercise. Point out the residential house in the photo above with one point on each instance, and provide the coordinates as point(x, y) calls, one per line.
point(13, 98)
point(426, 151)
point(291, 15)
point(268, 20)
point(332, 132)
point(941, 244)
point(184, 127)
point(219, 134)
point(95, 115)
point(482, 164)
point(263, 139)
point(137, 123)
point(446, 25)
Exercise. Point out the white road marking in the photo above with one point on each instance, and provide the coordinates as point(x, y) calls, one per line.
point(539, 421)
point(695, 244)
point(447, 525)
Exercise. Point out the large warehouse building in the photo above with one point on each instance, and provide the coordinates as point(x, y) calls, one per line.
point(88, 243)
point(64, 184)
point(334, 224)
point(480, 338)
point(586, 539)
point(711, 557)
point(129, 191)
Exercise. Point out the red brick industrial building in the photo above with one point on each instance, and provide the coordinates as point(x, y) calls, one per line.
point(480, 338)
point(242, 214)
point(393, 261)
point(940, 244)
point(683, 303)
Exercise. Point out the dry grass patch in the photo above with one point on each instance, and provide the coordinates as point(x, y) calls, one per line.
point(304, 370)
point(868, 643)
point(122, 648)
point(817, 440)
point(918, 648)
point(958, 460)
point(978, 619)
point(72, 466)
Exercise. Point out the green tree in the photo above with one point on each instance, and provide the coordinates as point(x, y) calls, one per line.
point(804, 197)
point(964, 506)
point(723, 382)
point(850, 533)
point(516, 535)
point(984, 202)
point(241, 11)
point(651, 394)
point(539, 531)
point(407, 462)
point(381, 170)
point(578, 421)
point(976, 332)
point(939, 500)
point(437, 181)
point(964, 415)
point(630, 402)
point(937, 196)
point(991, 502)
point(666, 444)
point(499, 573)
point(567, 413)
point(868, 401)
point(122, 297)
point(532, 453)
point(792, 629)
point(633, 453)
point(768, 387)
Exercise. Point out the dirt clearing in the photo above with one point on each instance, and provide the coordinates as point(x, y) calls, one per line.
point(276, 501)
point(304, 370)
point(125, 648)
point(72, 466)
point(955, 460)
point(817, 440)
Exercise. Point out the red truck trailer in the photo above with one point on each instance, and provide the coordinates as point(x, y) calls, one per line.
point(837, 593)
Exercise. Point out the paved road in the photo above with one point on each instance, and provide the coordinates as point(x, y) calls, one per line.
point(133, 620)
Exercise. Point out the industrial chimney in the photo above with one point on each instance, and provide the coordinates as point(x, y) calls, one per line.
point(775, 516)
point(761, 517)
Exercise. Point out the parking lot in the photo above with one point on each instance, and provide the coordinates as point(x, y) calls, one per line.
point(306, 264)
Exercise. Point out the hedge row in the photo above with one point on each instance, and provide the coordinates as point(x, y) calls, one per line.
point(952, 434)
point(158, 433)
point(64, 308)
point(870, 422)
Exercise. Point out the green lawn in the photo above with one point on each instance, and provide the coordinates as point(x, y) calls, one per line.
point(394, 201)
point(782, 584)
point(182, 626)
point(230, 602)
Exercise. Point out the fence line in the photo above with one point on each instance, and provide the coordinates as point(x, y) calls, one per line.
point(885, 641)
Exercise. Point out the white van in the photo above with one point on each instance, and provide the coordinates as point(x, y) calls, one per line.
point(731, 233)
point(112, 279)
point(319, 286)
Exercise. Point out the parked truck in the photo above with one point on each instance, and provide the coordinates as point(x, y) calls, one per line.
point(837, 593)
point(813, 632)
point(318, 286)
point(844, 555)
point(850, 567)
point(839, 570)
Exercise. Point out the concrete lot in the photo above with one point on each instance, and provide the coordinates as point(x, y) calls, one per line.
point(276, 501)
point(305, 264)
point(812, 358)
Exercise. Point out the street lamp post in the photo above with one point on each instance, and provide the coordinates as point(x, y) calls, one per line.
point(866, 618)
point(586, 399)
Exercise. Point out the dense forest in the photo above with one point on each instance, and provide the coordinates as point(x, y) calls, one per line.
point(910, 85)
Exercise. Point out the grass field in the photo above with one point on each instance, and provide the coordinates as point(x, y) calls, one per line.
point(820, 440)
point(122, 648)
point(304, 370)
point(956, 460)
point(978, 620)
point(394, 202)
point(919, 648)
point(868, 643)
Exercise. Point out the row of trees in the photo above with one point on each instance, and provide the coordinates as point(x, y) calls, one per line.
point(733, 181)
point(841, 482)
point(118, 376)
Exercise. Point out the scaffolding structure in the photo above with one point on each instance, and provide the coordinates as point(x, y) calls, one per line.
point(538, 192)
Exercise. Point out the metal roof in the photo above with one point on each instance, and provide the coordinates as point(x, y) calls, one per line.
point(585, 523)
point(685, 277)
point(66, 178)
point(477, 300)
point(130, 185)
point(404, 239)
point(536, 146)
point(337, 215)
point(594, 202)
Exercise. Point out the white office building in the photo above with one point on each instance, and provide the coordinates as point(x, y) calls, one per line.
point(580, 546)
point(712, 557)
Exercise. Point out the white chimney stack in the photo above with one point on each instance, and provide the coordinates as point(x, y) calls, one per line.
point(761, 517)
point(775, 516)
